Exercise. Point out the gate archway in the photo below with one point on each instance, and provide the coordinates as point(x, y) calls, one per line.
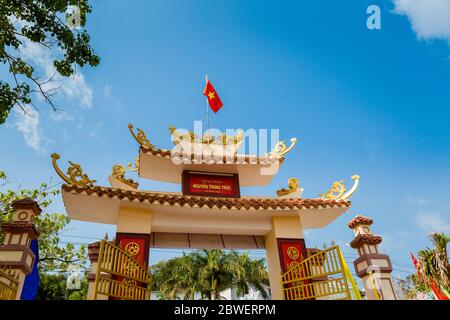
point(208, 207)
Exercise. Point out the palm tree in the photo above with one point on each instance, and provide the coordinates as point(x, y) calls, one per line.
point(248, 272)
point(208, 272)
point(434, 262)
point(175, 278)
point(214, 272)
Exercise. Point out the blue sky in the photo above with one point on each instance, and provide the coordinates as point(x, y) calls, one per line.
point(371, 102)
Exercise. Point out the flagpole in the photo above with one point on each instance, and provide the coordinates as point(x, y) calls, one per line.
point(207, 107)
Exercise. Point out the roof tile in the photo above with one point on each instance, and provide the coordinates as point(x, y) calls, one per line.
point(210, 202)
point(365, 239)
point(360, 220)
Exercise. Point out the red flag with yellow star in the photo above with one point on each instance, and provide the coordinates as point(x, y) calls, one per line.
point(213, 98)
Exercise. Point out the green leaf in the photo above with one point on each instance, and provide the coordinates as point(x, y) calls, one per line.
point(41, 24)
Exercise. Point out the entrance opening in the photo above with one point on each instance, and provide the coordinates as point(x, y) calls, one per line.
point(209, 273)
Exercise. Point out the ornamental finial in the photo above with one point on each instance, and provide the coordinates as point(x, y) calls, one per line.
point(118, 172)
point(141, 137)
point(338, 190)
point(294, 187)
point(75, 175)
point(281, 149)
point(136, 165)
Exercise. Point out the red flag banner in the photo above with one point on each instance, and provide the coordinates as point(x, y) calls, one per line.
point(213, 98)
point(437, 291)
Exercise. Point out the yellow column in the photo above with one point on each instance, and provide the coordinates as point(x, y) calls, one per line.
point(288, 227)
point(273, 264)
point(132, 220)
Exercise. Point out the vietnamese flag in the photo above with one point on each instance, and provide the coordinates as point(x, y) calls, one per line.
point(213, 98)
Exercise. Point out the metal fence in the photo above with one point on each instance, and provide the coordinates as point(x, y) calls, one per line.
point(323, 275)
point(9, 284)
point(120, 276)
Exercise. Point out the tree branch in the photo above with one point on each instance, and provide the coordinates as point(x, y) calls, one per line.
point(59, 259)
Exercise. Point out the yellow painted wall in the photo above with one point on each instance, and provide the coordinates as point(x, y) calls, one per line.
point(130, 220)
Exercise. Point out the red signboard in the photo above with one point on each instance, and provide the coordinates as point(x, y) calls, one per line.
point(212, 185)
point(292, 251)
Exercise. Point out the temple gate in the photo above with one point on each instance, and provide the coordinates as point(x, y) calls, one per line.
point(209, 211)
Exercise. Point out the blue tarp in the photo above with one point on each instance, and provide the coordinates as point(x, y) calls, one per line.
point(31, 285)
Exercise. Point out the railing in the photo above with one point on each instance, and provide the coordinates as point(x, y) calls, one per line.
point(120, 276)
point(9, 284)
point(323, 275)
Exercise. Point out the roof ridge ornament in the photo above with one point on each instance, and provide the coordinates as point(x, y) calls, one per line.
point(75, 175)
point(294, 187)
point(136, 165)
point(338, 190)
point(118, 172)
point(207, 139)
point(141, 137)
point(281, 149)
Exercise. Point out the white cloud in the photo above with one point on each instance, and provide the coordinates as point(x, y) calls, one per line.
point(432, 222)
point(69, 90)
point(28, 124)
point(72, 88)
point(430, 19)
point(41, 57)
